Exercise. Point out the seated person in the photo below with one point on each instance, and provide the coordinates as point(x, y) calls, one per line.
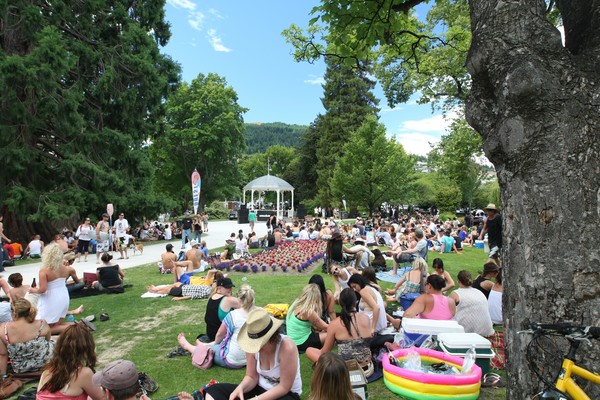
point(219, 305)
point(471, 307)
point(254, 242)
point(14, 289)
point(433, 304)
point(110, 276)
point(448, 243)
point(303, 321)
point(25, 340)
point(352, 333)
point(227, 351)
point(35, 247)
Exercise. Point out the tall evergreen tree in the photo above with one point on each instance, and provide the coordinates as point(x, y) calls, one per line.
point(83, 86)
point(348, 101)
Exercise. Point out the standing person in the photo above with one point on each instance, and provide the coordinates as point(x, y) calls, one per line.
point(251, 219)
point(186, 229)
point(205, 221)
point(197, 228)
point(68, 374)
point(3, 237)
point(84, 233)
point(493, 227)
point(35, 247)
point(121, 226)
point(272, 222)
point(103, 236)
point(272, 363)
point(53, 303)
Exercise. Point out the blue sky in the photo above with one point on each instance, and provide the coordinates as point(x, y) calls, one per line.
point(241, 41)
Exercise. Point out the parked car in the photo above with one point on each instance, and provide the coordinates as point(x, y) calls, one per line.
point(233, 215)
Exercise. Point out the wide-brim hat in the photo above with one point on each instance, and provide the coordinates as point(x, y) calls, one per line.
point(257, 330)
point(194, 243)
point(359, 240)
point(490, 266)
point(491, 206)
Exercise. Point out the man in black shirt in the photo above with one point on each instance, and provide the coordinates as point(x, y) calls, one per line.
point(493, 227)
point(186, 226)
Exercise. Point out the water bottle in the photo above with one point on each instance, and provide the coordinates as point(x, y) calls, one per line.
point(33, 284)
point(71, 318)
point(469, 361)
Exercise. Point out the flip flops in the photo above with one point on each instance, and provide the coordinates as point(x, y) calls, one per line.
point(90, 318)
point(492, 380)
point(89, 324)
point(104, 317)
point(179, 351)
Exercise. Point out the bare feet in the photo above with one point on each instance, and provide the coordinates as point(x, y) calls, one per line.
point(185, 396)
point(390, 298)
point(78, 310)
point(184, 343)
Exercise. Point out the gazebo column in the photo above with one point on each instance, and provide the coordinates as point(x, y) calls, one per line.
point(292, 205)
point(279, 215)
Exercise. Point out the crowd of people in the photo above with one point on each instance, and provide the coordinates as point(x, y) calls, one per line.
point(241, 334)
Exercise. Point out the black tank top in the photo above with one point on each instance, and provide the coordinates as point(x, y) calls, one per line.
point(477, 285)
point(212, 317)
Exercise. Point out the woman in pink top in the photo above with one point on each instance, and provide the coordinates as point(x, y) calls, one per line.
point(433, 305)
point(68, 375)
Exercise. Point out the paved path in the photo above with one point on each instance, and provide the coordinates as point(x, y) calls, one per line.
point(215, 237)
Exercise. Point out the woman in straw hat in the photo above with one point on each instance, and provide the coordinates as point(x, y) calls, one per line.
point(272, 363)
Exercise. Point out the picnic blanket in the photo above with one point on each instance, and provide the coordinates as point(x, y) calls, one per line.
point(388, 277)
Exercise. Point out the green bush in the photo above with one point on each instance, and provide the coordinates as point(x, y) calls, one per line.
point(216, 210)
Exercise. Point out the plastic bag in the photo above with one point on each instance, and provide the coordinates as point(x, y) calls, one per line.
point(469, 361)
point(413, 361)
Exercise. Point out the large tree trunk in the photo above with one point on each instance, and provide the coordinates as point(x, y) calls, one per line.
point(537, 106)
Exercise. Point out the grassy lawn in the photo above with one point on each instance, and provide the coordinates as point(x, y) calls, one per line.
point(145, 330)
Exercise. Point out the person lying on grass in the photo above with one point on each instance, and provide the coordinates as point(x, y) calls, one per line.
point(179, 291)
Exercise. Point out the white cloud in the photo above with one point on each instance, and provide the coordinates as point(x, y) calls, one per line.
point(315, 80)
point(195, 19)
point(387, 109)
point(185, 4)
point(416, 142)
point(215, 41)
point(215, 13)
point(436, 123)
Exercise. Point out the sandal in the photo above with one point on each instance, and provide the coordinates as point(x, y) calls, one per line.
point(179, 351)
point(492, 380)
point(104, 317)
point(90, 325)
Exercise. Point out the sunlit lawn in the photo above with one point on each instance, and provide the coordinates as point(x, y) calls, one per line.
point(145, 330)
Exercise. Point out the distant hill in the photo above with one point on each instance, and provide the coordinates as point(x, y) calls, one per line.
point(261, 136)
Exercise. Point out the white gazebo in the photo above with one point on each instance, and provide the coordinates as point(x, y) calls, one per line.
point(270, 183)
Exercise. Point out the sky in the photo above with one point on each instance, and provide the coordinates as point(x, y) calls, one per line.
point(242, 42)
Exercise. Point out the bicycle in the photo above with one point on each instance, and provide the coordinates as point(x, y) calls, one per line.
point(561, 386)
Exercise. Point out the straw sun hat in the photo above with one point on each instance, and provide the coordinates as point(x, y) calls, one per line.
point(257, 330)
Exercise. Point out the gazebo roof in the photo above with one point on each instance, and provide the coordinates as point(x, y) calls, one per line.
point(268, 183)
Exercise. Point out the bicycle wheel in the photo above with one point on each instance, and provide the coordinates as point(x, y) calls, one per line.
point(545, 357)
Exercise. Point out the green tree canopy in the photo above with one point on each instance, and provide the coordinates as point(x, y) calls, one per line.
point(83, 87)
point(372, 170)
point(205, 131)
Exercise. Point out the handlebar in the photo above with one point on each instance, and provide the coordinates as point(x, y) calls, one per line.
point(567, 328)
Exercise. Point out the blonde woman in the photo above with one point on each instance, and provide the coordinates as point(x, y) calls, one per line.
point(304, 315)
point(53, 303)
point(228, 353)
point(410, 282)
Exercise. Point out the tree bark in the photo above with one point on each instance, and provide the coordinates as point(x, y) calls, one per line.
point(536, 104)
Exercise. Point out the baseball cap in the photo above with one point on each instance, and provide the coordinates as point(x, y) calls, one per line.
point(169, 247)
point(117, 375)
point(225, 282)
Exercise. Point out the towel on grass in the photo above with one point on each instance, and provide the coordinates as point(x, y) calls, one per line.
point(388, 277)
point(150, 295)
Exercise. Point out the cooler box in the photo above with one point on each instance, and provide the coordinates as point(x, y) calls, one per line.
point(357, 379)
point(479, 244)
point(457, 344)
point(417, 330)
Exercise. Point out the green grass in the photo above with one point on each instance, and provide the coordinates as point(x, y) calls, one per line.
point(145, 330)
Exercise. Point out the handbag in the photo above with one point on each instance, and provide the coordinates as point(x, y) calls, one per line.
point(407, 299)
point(8, 386)
point(203, 357)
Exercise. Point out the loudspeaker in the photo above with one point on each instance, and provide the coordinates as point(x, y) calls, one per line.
point(301, 211)
point(243, 215)
point(243, 207)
